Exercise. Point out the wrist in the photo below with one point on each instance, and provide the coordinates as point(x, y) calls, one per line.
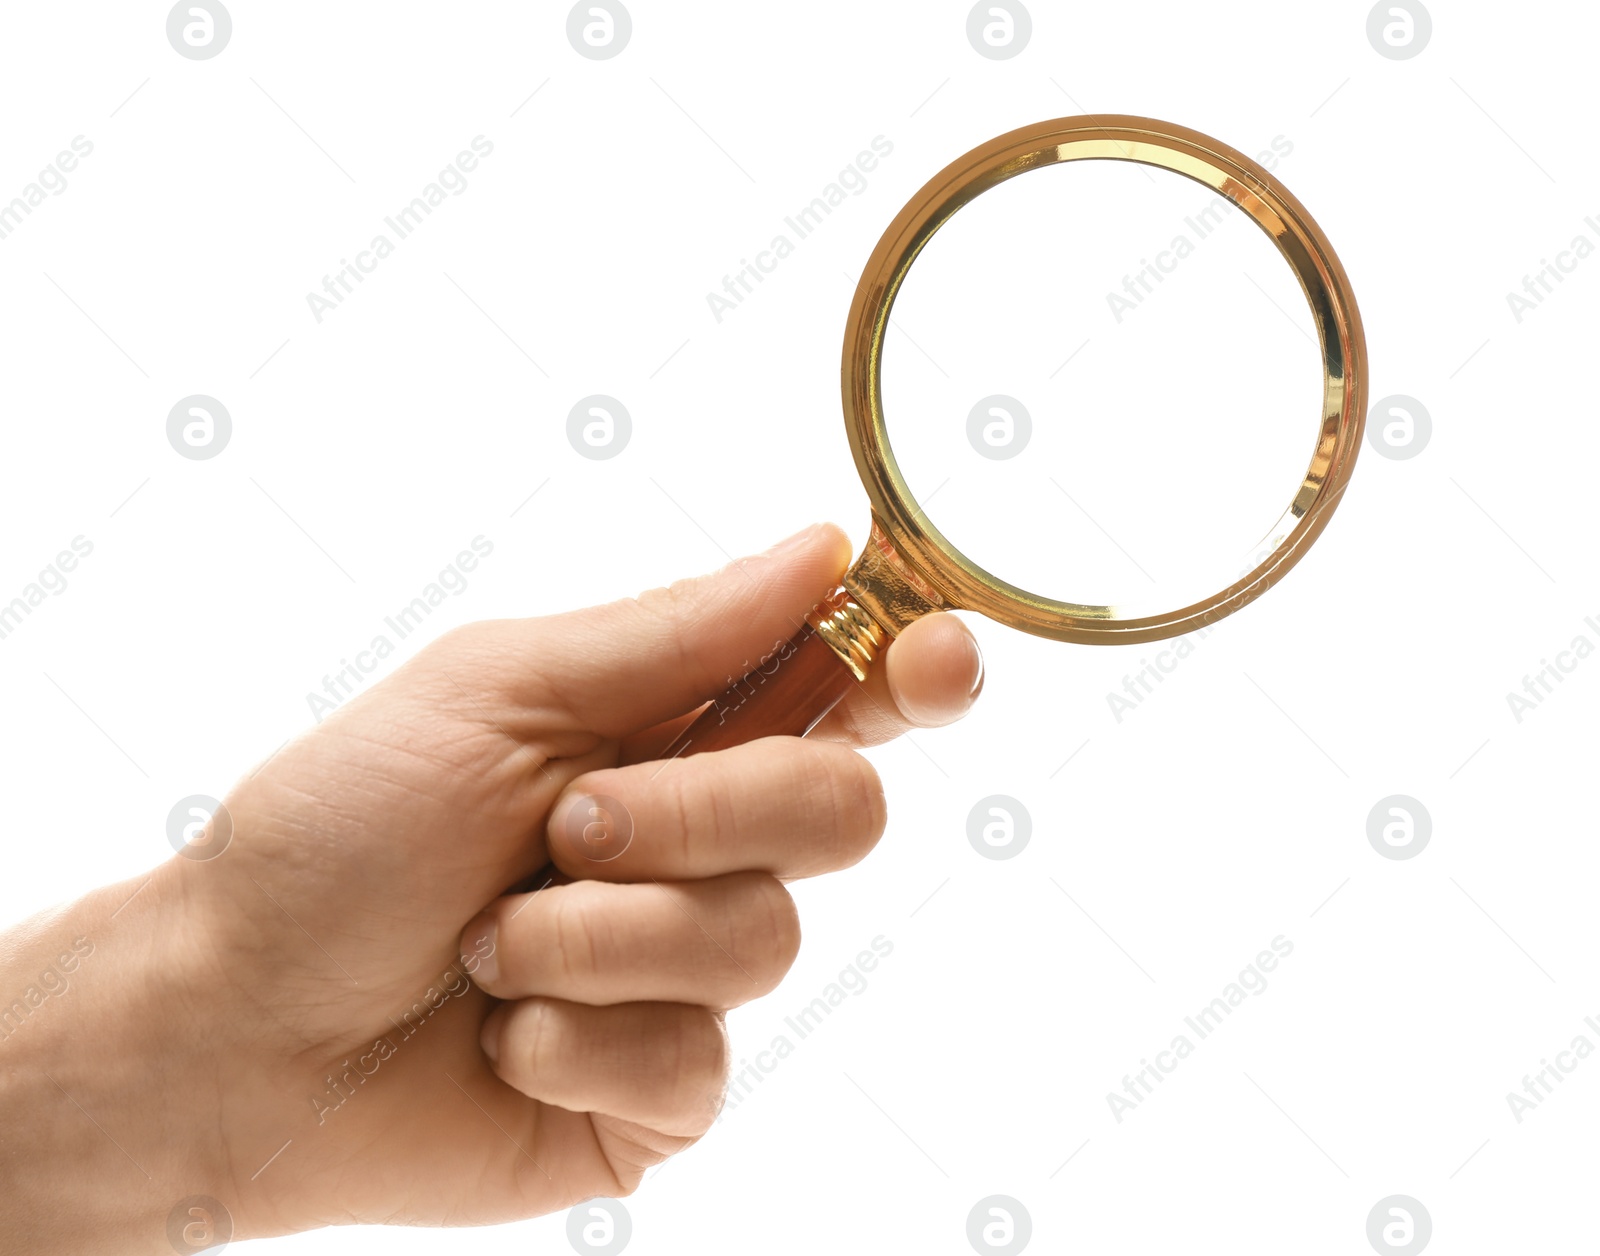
point(103, 1135)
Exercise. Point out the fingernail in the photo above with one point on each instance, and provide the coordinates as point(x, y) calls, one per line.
point(977, 662)
point(598, 827)
point(480, 950)
point(489, 1036)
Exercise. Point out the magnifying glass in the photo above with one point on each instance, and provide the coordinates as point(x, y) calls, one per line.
point(908, 568)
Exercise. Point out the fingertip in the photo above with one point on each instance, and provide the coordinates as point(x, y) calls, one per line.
point(835, 543)
point(935, 670)
point(821, 546)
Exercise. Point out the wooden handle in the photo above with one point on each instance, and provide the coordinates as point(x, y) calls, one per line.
point(785, 694)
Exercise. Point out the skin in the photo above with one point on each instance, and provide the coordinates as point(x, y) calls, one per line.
point(492, 1056)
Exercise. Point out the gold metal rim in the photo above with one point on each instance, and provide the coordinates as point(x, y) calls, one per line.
point(1268, 203)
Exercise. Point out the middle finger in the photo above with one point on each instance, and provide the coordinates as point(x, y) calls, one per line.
point(717, 943)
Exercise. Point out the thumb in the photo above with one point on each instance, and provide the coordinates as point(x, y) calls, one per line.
point(617, 668)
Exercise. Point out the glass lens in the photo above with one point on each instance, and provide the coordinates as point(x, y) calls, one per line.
point(1103, 385)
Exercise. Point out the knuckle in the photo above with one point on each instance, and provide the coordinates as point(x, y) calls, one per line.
point(574, 925)
point(664, 602)
point(463, 642)
point(532, 1038)
point(671, 606)
point(680, 794)
point(627, 1183)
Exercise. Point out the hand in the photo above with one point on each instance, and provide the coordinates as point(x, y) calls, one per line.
point(339, 1019)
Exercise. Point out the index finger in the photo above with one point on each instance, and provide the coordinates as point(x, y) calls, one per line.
point(780, 805)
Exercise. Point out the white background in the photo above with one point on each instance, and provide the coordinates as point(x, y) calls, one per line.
point(1229, 808)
